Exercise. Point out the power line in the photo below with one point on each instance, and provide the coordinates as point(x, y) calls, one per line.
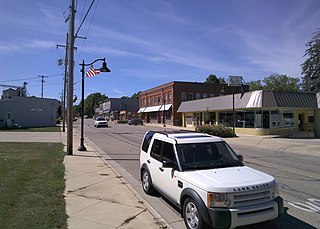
point(31, 78)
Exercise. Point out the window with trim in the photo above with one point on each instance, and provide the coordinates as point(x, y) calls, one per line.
point(156, 150)
point(169, 97)
point(183, 96)
point(190, 96)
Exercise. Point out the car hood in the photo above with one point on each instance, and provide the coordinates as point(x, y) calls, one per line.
point(228, 179)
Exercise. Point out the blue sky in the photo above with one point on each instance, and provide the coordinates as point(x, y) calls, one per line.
point(148, 43)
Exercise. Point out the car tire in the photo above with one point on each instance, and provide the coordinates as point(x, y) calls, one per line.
point(191, 215)
point(146, 182)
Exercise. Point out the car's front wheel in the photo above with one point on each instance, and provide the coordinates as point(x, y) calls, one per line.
point(146, 182)
point(191, 215)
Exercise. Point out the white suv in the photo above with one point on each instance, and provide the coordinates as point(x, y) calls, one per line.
point(99, 122)
point(206, 180)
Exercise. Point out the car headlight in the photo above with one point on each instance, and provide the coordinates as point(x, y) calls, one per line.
point(218, 200)
point(275, 191)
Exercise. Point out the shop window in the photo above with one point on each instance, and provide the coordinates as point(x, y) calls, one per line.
point(266, 119)
point(249, 119)
point(288, 119)
point(198, 96)
point(310, 116)
point(258, 119)
point(205, 95)
point(275, 119)
point(226, 119)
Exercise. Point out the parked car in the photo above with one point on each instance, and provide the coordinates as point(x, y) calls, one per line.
point(206, 180)
point(100, 122)
point(135, 121)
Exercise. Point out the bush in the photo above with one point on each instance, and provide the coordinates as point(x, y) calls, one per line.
point(122, 121)
point(216, 130)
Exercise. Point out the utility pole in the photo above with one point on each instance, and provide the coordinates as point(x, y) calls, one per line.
point(42, 81)
point(70, 80)
point(65, 82)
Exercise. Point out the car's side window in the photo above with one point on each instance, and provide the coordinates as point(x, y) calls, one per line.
point(146, 141)
point(168, 152)
point(156, 150)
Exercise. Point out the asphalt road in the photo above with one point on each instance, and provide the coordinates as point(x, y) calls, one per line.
point(298, 174)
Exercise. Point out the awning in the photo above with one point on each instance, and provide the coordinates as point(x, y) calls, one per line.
point(152, 109)
point(141, 110)
point(165, 107)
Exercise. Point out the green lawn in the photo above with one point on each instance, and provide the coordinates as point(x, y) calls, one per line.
point(32, 185)
point(35, 129)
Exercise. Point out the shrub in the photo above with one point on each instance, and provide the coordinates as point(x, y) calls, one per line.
point(122, 121)
point(216, 130)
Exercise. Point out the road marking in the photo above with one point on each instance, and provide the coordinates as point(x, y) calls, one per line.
point(312, 205)
point(285, 168)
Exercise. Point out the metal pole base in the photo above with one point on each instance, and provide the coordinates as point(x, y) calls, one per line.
point(82, 148)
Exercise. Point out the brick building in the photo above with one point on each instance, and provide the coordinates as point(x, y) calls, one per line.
point(160, 104)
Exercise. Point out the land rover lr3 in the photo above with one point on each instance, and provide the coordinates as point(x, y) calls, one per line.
point(207, 180)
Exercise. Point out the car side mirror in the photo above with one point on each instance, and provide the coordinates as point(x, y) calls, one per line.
point(169, 164)
point(240, 158)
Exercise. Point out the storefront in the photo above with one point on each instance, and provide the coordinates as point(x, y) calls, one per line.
point(258, 112)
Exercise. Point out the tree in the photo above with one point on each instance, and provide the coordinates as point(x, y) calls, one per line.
point(276, 82)
point(311, 67)
point(136, 95)
point(284, 83)
point(214, 79)
point(255, 85)
point(92, 102)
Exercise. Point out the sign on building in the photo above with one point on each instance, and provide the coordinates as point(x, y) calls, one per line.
point(235, 81)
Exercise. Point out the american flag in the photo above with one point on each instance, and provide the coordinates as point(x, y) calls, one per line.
point(92, 72)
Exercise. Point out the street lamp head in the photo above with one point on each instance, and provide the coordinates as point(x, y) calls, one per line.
point(104, 67)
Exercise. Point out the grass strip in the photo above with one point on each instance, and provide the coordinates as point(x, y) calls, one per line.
point(32, 185)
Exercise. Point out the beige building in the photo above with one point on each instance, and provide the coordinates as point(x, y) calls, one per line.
point(258, 113)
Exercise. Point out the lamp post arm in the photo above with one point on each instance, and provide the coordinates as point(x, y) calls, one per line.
point(83, 64)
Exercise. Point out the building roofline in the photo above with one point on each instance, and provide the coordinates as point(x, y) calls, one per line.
point(172, 83)
point(254, 99)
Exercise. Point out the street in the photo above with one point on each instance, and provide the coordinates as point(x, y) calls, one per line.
point(298, 174)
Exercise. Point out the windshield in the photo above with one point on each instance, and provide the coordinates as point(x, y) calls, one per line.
point(100, 119)
point(208, 155)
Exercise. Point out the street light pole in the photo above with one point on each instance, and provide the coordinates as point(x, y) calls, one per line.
point(104, 68)
point(82, 147)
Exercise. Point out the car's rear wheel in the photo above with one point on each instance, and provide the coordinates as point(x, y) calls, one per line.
point(146, 182)
point(191, 215)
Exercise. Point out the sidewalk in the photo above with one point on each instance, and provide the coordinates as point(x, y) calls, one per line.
point(98, 197)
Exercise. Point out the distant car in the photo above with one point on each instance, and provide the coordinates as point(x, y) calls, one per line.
point(100, 122)
point(135, 121)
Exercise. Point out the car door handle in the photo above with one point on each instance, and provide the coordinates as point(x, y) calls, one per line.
point(148, 161)
point(161, 169)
